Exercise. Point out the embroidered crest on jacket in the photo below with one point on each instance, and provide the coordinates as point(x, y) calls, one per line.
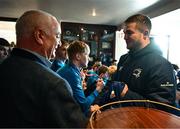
point(137, 72)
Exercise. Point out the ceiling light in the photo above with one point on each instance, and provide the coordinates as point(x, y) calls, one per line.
point(94, 12)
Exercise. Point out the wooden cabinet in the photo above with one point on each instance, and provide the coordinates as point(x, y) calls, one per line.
point(100, 38)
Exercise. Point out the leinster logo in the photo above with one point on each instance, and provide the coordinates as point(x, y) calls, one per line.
point(137, 72)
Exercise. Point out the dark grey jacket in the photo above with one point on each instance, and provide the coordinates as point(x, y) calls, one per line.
point(32, 95)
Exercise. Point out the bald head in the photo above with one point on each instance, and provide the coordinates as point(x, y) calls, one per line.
point(37, 31)
point(31, 20)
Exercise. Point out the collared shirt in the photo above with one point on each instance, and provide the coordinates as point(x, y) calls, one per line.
point(42, 58)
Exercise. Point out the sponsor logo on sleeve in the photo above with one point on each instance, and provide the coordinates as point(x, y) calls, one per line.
point(167, 84)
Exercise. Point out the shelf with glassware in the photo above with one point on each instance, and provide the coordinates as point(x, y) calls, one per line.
point(100, 38)
point(106, 47)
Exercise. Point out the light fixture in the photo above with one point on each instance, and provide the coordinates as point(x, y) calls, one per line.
point(94, 12)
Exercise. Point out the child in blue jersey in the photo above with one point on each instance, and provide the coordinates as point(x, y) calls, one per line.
point(78, 53)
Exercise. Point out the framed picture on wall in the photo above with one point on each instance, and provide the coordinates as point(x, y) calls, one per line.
point(106, 45)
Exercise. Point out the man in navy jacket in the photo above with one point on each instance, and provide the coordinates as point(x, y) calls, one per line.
point(145, 72)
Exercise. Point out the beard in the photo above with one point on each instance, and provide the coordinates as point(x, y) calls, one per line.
point(133, 46)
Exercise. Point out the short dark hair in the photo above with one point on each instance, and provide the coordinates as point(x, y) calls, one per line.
point(142, 21)
point(4, 42)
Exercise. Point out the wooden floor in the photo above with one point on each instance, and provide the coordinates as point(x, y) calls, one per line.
point(135, 117)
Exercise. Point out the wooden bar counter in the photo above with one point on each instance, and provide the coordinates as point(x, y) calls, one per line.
point(134, 117)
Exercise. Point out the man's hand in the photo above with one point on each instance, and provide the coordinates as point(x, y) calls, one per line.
point(177, 95)
point(119, 88)
point(124, 91)
point(95, 108)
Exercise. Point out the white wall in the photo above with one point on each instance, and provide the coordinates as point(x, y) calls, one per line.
point(120, 45)
point(7, 31)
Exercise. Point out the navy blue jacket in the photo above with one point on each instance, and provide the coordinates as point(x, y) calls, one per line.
point(148, 75)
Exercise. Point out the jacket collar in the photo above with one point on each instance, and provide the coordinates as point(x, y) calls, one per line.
point(31, 56)
point(150, 48)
